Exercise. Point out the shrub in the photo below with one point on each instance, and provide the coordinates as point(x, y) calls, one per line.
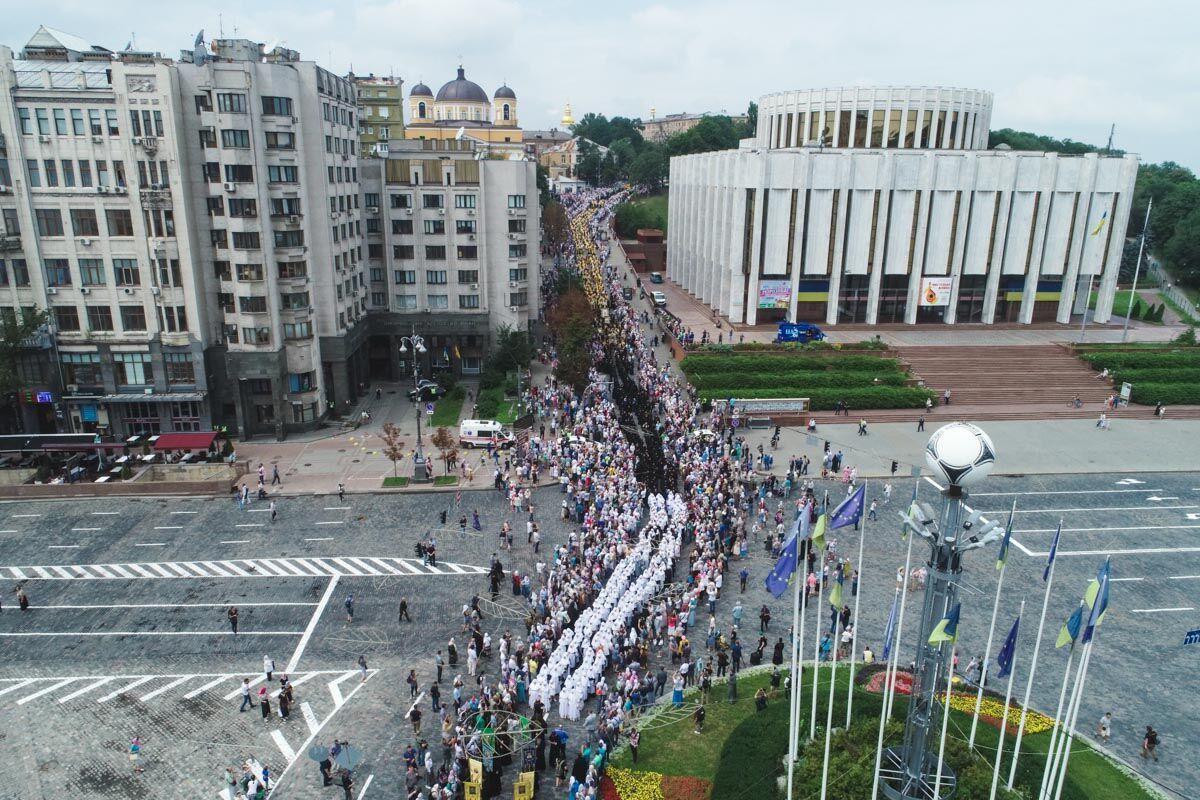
point(1150, 359)
point(814, 380)
point(489, 403)
point(703, 363)
point(1158, 375)
point(1171, 394)
point(1188, 337)
point(824, 399)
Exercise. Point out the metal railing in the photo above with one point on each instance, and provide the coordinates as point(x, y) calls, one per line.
point(1160, 276)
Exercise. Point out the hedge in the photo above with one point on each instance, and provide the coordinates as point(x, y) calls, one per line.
point(827, 378)
point(1149, 359)
point(824, 399)
point(756, 363)
point(800, 347)
point(1171, 394)
point(1159, 375)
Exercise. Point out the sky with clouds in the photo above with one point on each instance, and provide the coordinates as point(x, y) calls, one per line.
point(1064, 68)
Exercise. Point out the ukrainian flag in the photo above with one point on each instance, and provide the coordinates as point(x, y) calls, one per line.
point(947, 629)
point(1100, 225)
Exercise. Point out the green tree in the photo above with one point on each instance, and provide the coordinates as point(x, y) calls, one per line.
point(572, 321)
point(650, 169)
point(543, 185)
point(513, 349)
point(1182, 252)
point(15, 333)
point(592, 126)
point(554, 223)
point(751, 119)
point(588, 168)
point(1024, 140)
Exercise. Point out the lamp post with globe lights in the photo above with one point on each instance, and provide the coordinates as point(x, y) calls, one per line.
point(420, 467)
point(961, 455)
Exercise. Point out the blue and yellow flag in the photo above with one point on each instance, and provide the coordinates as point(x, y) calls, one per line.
point(818, 535)
point(1097, 598)
point(835, 594)
point(1100, 225)
point(1070, 629)
point(947, 629)
point(1002, 557)
point(777, 580)
point(850, 510)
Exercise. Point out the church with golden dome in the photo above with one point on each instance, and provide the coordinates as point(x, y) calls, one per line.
point(462, 105)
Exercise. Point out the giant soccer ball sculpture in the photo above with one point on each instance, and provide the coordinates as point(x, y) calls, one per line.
point(961, 453)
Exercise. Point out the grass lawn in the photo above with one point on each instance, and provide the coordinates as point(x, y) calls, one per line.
point(1121, 304)
point(445, 480)
point(447, 410)
point(746, 763)
point(507, 413)
point(1183, 315)
point(395, 483)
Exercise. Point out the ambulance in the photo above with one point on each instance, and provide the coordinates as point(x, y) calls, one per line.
point(481, 432)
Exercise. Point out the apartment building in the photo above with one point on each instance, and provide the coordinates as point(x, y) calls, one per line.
point(380, 112)
point(453, 239)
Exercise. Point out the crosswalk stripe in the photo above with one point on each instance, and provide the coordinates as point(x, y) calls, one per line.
point(266, 567)
point(162, 689)
point(456, 568)
point(364, 565)
point(161, 570)
point(138, 568)
point(383, 563)
point(327, 569)
point(254, 682)
point(17, 573)
point(208, 686)
point(61, 571)
point(117, 568)
point(211, 565)
point(282, 744)
point(232, 567)
point(15, 687)
point(52, 687)
point(126, 688)
point(310, 567)
point(348, 568)
point(262, 567)
point(103, 572)
point(173, 567)
point(84, 690)
point(290, 567)
point(305, 677)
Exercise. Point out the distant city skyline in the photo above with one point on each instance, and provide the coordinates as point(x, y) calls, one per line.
point(1064, 70)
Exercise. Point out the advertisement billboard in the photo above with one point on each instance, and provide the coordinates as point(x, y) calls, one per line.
point(935, 291)
point(774, 294)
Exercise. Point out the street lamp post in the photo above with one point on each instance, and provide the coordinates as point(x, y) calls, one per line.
point(420, 467)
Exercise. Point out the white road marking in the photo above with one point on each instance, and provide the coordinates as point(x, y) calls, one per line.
point(150, 544)
point(106, 513)
point(1125, 580)
point(9, 531)
point(1128, 481)
point(1115, 528)
point(126, 688)
point(16, 686)
point(168, 527)
point(288, 753)
point(334, 522)
point(52, 687)
point(207, 686)
point(250, 525)
point(306, 676)
point(323, 539)
point(20, 516)
point(185, 512)
point(1073, 491)
point(236, 541)
point(65, 546)
point(253, 682)
point(84, 690)
point(1183, 577)
point(180, 605)
point(163, 689)
point(1143, 551)
point(312, 625)
point(256, 568)
point(87, 529)
point(1159, 610)
point(305, 744)
point(338, 699)
point(309, 718)
point(258, 510)
point(1108, 508)
point(337, 508)
point(366, 783)
point(26, 634)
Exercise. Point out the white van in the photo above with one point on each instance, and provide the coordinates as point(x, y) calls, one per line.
point(479, 432)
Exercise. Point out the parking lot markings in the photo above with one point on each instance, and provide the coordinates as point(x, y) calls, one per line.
point(85, 690)
point(164, 689)
point(125, 688)
point(207, 686)
point(52, 687)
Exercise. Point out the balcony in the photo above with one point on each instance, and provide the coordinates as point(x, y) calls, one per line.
point(10, 241)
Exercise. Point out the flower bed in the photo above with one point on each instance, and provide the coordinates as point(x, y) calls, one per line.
point(627, 784)
point(993, 711)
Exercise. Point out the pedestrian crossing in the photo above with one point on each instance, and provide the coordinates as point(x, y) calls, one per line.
point(323, 567)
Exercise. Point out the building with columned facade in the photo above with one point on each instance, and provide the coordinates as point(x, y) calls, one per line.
point(883, 205)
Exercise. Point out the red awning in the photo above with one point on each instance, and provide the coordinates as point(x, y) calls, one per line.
point(185, 441)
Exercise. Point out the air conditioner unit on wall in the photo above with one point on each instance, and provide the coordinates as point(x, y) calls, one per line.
point(470, 212)
point(84, 290)
point(512, 212)
point(51, 290)
point(408, 211)
point(85, 242)
point(512, 236)
point(231, 187)
point(44, 139)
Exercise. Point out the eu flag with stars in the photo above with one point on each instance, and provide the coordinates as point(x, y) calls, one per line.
point(777, 580)
point(1008, 652)
point(850, 510)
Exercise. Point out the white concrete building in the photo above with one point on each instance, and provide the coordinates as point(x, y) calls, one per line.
point(881, 205)
point(453, 239)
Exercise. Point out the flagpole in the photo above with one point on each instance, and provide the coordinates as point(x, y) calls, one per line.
point(828, 714)
point(882, 716)
point(1004, 718)
point(794, 700)
point(862, 535)
point(1037, 645)
point(1066, 757)
point(1052, 751)
point(987, 652)
point(812, 722)
point(895, 660)
point(937, 781)
point(1066, 723)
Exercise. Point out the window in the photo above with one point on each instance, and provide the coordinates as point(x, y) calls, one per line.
point(58, 271)
point(249, 272)
point(203, 102)
point(516, 250)
point(285, 206)
point(519, 274)
point(467, 252)
point(464, 201)
point(518, 299)
point(371, 199)
point(26, 121)
point(402, 226)
point(403, 251)
point(120, 222)
point(302, 381)
point(239, 173)
point(231, 102)
point(295, 301)
point(212, 172)
point(221, 270)
point(405, 277)
point(43, 121)
point(439, 301)
point(35, 172)
point(66, 318)
point(252, 305)
point(281, 140)
point(83, 222)
point(379, 298)
point(516, 201)
point(289, 238)
point(100, 318)
point(277, 106)
point(401, 200)
point(68, 173)
point(135, 126)
point(91, 272)
point(180, 368)
point(283, 174)
point(133, 318)
point(94, 122)
point(292, 269)
point(169, 273)
point(468, 276)
point(12, 223)
point(133, 368)
point(110, 117)
point(125, 270)
point(51, 172)
point(243, 208)
point(435, 226)
point(377, 275)
point(433, 201)
point(260, 385)
point(20, 270)
point(158, 126)
point(119, 172)
point(516, 225)
point(219, 239)
point(60, 121)
point(405, 302)
point(82, 368)
point(260, 335)
point(49, 221)
point(235, 138)
point(464, 226)
point(304, 412)
point(85, 174)
point(245, 240)
point(435, 276)
point(297, 330)
point(468, 301)
point(435, 252)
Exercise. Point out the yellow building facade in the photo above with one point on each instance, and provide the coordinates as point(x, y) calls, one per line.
point(463, 106)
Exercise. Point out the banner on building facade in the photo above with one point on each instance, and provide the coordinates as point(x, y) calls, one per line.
point(935, 291)
point(774, 294)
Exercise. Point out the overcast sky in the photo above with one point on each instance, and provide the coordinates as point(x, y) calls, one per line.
point(1064, 68)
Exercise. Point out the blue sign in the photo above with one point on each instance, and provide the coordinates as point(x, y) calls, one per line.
point(1192, 637)
point(44, 397)
point(429, 409)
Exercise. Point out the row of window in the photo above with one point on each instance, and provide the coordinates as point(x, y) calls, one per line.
point(251, 240)
point(441, 302)
point(439, 200)
point(95, 124)
point(47, 173)
point(338, 145)
point(133, 369)
point(237, 207)
point(244, 173)
point(237, 138)
point(84, 222)
point(92, 272)
point(408, 277)
point(235, 103)
point(172, 319)
point(435, 227)
point(437, 252)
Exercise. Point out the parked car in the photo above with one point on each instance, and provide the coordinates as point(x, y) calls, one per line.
point(426, 390)
point(659, 299)
point(656, 277)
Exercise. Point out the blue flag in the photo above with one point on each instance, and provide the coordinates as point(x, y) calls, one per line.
point(777, 580)
point(947, 629)
point(1008, 652)
point(850, 510)
point(890, 631)
point(1099, 601)
point(1053, 552)
point(1070, 629)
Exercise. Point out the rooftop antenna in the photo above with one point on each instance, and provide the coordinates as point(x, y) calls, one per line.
point(221, 25)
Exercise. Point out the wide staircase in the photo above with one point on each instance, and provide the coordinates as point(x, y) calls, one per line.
point(1011, 382)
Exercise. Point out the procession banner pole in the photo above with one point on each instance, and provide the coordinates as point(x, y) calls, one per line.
point(858, 587)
